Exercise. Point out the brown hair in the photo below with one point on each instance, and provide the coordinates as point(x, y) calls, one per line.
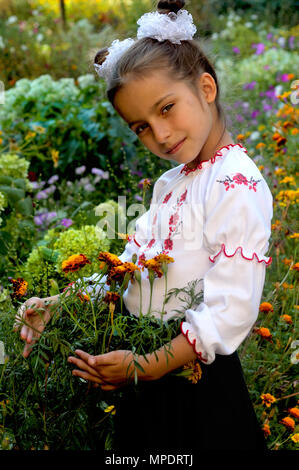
point(185, 61)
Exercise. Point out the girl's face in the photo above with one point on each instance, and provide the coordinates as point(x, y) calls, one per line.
point(168, 116)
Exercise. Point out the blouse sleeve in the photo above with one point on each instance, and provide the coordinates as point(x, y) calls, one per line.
point(237, 227)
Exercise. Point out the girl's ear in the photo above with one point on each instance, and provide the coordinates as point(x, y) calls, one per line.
point(207, 87)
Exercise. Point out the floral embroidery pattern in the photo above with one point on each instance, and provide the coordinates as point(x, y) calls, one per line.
point(239, 179)
point(167, 197)
point(212, 160)
point(173, 223)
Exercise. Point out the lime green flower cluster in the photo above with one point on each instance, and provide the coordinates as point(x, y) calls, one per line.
point(44, 264)
point(13, 165)
point(88, 240)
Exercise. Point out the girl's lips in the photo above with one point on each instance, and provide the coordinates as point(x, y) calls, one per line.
point(177, 147)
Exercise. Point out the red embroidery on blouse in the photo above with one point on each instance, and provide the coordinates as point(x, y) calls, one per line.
point(136, 241)
point(193, 343)
point(167, 197)
point(239, 179)
point(174, 221)
point(219, 153)
point(212, 258)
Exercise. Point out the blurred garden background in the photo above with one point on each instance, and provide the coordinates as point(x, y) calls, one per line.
point(64, 152)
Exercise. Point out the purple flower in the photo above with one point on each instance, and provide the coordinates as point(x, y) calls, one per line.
point(66, 222)
point(259, 48)
point(53, 179)
point(255, 113)
point(267, 107)
point(284, 77)
point(41, 195)
point(266, 67)
point(50, 189)
point(291, 42)
point(139, 198)
point(80, 170)
point(44, 218)
point(236, 50)
point(101, 173)
point(269, 36)
point(239, 118)
point(249, 86)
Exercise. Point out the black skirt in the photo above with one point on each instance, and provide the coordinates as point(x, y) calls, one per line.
point(172, 413)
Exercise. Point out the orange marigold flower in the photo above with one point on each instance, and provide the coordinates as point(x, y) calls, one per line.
point(288, 423)
point(276, 136)
point(83, 297)
point(117, 273)
point(287, 319)
point(295, 267)
point(287, 261)
point(19, 286)
point(285, 285)
point(264, 333)
point(268, 399)
point(266, 307)
point(266, 429)
point(74, 263)
point(287, 124)
point(294, 412)
point(294, 235)
point(111, 297)
point(260, 145)
point(163, 258)
point(195, 371)
point(109, 258)
point(295, 131)
point(240, 136)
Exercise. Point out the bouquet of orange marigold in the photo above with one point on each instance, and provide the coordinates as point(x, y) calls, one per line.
point(62, 412)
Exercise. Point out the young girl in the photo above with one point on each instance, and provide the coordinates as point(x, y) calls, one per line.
point(212, 213)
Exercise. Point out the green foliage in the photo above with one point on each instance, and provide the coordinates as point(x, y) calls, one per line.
point(44, 405)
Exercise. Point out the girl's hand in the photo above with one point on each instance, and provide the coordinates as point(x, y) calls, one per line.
point(109, 371)
point(32, 317)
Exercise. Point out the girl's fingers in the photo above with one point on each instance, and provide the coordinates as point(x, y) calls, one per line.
point(82, 365)
point(27, 350)
point(87, 376)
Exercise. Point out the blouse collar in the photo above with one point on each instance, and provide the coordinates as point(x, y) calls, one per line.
point(212, 160)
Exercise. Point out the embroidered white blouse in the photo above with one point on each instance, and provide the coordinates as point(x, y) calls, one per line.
point(215, 221)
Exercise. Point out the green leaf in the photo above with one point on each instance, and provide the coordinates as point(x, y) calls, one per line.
point(24, 206)
point(13, 194)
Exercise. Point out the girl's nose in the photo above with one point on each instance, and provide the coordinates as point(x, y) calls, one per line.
point(161, 132)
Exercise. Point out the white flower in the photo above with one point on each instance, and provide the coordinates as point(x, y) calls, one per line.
point(24, 47)
point(248, 24)
point(294, 344)
point(2, 45)
point(295, 356)
point(255, 135)
point(12, 20)
point(281, 41)
point(39, 37)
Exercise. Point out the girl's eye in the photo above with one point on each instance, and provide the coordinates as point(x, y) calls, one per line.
point(167, 108)
point(139, 129)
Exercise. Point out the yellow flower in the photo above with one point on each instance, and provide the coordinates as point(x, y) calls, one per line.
point(288, 423)
point(295, 438)
point(294, 235)
point(1, 140)
point(240, 137)
point(261, 127)
point(288, 179)
point(268, 399)
point(30, 135)
point(110, 409)
point(279, 171)
point(55, 157)
point(39, 129)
